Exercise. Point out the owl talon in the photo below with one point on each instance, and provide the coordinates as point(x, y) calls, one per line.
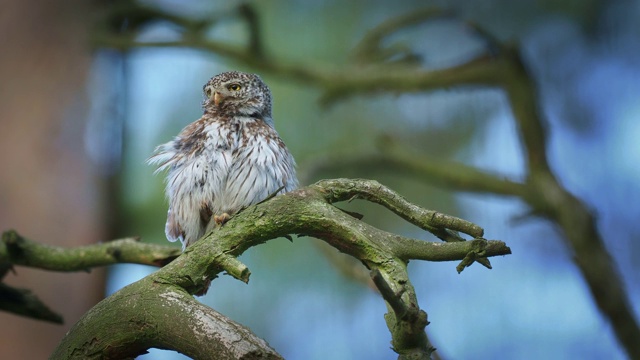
point(221, 219)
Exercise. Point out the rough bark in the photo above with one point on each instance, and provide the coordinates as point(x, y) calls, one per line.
point(146, 315)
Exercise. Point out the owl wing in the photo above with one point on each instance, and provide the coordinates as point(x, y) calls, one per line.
point(197, 161)
point(166, 157)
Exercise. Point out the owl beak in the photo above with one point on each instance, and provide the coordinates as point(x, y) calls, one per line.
point(217, 98)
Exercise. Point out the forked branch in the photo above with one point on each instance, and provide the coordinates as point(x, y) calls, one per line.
point(307, 211)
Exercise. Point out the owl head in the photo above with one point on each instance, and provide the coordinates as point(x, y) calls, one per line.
point(237, 93)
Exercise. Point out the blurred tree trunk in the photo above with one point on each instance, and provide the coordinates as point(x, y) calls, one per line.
point(47, 188)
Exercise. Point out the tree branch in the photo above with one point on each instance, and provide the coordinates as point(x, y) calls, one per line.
point(24, 302)
point(443, 173)
point(125, 326)
point(550, 199)
point(373, 191)
point(371, 50)
point(18, 250)
point(305, 211)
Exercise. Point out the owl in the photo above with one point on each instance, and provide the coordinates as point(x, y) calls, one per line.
point(230, 158)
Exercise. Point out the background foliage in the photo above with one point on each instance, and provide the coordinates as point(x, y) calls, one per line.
point(534, 304)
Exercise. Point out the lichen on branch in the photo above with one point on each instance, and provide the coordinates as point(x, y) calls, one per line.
point(307, 211)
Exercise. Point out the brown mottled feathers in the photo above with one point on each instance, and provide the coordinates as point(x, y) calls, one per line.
point(230, 158)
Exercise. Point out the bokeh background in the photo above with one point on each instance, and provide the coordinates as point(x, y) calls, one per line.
point(78, 119)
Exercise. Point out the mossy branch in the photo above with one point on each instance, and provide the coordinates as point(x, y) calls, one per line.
point(307, 211)
point(18, 250)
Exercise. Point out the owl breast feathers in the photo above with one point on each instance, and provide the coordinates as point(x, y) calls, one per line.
point(230, 158)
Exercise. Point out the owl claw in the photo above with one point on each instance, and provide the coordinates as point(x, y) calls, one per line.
point(221, 219)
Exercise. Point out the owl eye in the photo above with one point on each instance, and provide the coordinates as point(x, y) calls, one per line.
point(234, 87)
point(208, 91)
